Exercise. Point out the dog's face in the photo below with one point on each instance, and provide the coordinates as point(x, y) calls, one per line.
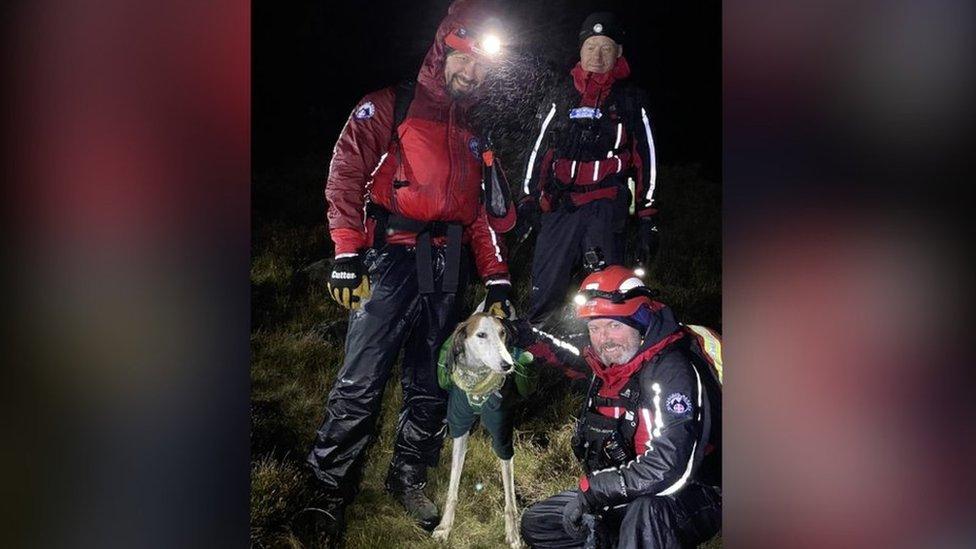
point(483, 340)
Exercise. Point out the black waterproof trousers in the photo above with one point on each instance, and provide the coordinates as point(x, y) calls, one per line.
point(683, 520)
point(563, 238)
point(395, 313)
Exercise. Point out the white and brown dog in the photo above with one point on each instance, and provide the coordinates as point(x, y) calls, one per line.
point(478, 360)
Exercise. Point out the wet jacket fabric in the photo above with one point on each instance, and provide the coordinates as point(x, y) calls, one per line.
point(398, 314)
point(432, 172)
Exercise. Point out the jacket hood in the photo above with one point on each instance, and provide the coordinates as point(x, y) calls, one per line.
point(461, 13)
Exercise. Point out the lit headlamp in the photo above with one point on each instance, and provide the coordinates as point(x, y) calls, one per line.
point(487, 44)
point(616, 296)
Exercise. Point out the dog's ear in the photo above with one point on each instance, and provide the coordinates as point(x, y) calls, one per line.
point(457, 345)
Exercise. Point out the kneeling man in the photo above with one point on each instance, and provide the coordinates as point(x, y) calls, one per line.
point(648, 435)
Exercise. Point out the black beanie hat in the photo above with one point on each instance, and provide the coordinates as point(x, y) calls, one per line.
point(639, 321)
point(602, 23)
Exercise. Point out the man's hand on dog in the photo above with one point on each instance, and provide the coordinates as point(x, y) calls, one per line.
point(496, 301)
point(349, 283)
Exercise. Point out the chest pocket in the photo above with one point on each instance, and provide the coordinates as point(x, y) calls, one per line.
point(600, 441)
point(592, 134)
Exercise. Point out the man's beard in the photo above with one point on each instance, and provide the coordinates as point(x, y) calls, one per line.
point(458, 93)
point(618, 354)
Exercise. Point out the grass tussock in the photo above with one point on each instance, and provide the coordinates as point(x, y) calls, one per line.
point(297, 346)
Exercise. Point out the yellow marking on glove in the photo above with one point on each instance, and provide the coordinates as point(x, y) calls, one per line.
point(352, 298)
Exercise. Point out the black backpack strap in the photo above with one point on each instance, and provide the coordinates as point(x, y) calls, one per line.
point(404, 96)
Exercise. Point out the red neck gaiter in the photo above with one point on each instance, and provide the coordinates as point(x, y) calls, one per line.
point(615, 377)
point(595, 87)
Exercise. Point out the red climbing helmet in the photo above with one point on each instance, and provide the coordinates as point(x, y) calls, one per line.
point(614, 291)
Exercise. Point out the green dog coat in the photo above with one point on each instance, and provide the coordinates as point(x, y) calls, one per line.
point(489, 396)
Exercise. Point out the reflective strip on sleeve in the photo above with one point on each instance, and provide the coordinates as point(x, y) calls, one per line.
point(691, 459)
point(371, 175)
point(494, 242)
point(558, 342)
point(650, 150)
point(658, 421)
point(378, 164)
point(646, 416)
point(535, 150)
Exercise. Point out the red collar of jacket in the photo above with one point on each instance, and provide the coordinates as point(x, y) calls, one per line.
point(615, 377)
point(595, 87)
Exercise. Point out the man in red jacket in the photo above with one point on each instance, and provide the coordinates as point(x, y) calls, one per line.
point(404, 210)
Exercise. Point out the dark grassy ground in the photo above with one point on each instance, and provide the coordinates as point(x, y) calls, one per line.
point(296, 345)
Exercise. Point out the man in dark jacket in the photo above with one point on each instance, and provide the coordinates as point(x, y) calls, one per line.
point(591, 165)
point(649, 434)
point(404, 209)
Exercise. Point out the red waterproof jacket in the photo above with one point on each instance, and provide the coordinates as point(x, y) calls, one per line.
point(439, 159)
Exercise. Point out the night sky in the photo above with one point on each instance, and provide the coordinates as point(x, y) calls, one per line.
point(312, 62)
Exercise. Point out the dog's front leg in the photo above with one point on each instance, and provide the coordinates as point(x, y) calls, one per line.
point(459, 447)
point(512, 536)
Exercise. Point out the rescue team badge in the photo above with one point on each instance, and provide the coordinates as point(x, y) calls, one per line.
point(585, 112)
point(365, 111)
point(679, 404)
point(475, 147)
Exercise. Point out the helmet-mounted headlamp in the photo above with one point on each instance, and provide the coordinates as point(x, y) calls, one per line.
point(613, 290)
point(487, 44)
point(615, 296)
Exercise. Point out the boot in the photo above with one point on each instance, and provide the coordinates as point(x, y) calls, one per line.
point(420, 507)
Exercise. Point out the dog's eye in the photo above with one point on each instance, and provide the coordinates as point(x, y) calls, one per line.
point(481, 335)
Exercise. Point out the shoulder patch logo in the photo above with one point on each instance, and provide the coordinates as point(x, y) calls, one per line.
point(679, 404)
point(475, 147)
point(366, 110)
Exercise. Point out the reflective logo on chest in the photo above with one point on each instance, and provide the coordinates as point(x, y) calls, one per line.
point(585, 112)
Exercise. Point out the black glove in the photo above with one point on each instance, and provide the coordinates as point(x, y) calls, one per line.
point(349, 283)
point(526, 217)
point(496, 301)
point(573, 516)
point(648, 239)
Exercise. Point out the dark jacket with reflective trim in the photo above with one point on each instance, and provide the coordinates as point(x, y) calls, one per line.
point(592, 155)
point(679, 450)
